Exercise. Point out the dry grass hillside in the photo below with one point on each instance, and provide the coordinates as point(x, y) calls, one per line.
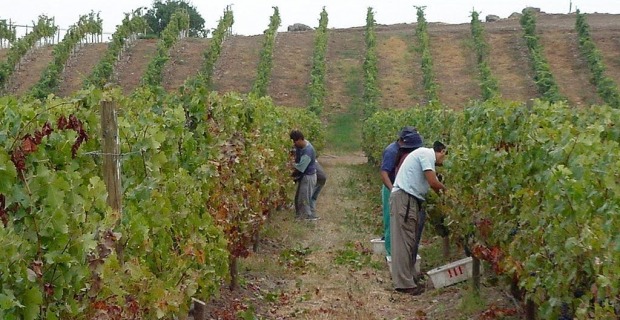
point(399, 66)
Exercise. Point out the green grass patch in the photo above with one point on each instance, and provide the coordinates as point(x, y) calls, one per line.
point(356, 256)
point(344, 133)
point(366, 217)
point(295, 258)
point(472, 303)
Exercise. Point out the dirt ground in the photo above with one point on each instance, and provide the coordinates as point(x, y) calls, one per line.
point(292, 64)
point(298, 272)
point(3, 53)
point(132, 65)
point(186, 59)
point(399, 68)
point(30, 71)
point(453, 55)
point(79, 67)
point(236, 68)
point(400, 77)
point(344, 59)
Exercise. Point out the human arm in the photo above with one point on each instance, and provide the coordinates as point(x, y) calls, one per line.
point(386, 180)
point(434, 183)
point(303, 163)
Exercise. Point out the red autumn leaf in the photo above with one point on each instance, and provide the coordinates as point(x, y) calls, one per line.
point(28, 144)
point(62, 123)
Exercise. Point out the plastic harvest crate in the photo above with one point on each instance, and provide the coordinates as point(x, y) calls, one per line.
point(452, 273)
point(388, 259)
point(378, 246)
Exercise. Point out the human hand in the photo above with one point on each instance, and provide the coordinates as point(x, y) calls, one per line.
point(440, 177)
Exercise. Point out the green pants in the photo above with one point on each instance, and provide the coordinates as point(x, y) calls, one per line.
point(385, 200)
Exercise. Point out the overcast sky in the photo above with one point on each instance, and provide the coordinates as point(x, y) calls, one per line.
point(252, 16)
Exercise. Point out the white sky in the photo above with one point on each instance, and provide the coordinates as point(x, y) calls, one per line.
point(252, 16)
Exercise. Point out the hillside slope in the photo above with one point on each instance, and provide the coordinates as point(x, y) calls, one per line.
point(186, 59)
point(344, 75)
point(292, 64)
point(79, 67)
point(31, 70)
point(236, 68)
point(133, 63)
point(400, 78)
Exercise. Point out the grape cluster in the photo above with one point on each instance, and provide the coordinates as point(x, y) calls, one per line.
point(73, 123)
point(29, 145)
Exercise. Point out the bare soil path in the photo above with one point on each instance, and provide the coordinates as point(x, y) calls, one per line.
point(131, 67)
point(292, 64)
point(30, 71)
point(453, 56)
point(345, 55)
point(568, 67)
point(186, 60)
point(510, 64)
point(326, 269)
point(236, 68)
point(400, 76)
point(79, 67)
point(3, 54)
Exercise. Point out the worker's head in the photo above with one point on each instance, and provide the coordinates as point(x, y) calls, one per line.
point(440, 152)
point(298, 138)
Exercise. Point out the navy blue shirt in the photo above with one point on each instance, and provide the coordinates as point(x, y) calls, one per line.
point(388, 163)
point(305, 159)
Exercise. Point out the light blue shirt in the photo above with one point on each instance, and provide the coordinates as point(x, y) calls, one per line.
point(410, 177)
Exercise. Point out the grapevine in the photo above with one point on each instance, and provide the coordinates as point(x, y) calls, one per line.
point(266, 56)
point(371, 73)
point(316, 88)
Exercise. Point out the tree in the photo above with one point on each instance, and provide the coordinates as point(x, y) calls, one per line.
point(158, 17)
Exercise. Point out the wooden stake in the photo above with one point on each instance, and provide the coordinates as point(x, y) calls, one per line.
point(199, 309)
point(111, 164)
point(476, 275)
point(111, 155)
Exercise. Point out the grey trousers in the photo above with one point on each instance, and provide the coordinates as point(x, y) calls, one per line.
point(404, 238)
point(321, 178)
point(305, 188)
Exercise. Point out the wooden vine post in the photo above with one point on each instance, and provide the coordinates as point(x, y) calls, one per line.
point(111, 162)
point(476, 275)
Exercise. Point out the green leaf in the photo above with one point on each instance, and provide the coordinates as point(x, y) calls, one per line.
point(8, 301)
point(32, 303)
point(8, 173)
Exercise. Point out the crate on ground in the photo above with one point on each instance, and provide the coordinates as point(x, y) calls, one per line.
point(452, 273)
point(378, 246)
point(388, 259)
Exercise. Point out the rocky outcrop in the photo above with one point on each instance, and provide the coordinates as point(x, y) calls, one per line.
point(299, 27)
point(515, 15)
point(533, 9)
point(492, 18)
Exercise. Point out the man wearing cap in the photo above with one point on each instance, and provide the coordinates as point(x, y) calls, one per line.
point(415, 177)
point(408, 137)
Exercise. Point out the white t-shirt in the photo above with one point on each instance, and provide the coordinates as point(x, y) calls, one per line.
point(410, 177)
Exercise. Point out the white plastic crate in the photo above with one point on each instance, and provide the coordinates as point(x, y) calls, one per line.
point(388, 259)
point(378, 246)
point(452, 273)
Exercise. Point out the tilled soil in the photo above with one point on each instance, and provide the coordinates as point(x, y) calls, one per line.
point(186, 60)
point(132, 65)
point(79, 67)
point(292, 64)
point(236, 68)
point(30, 71)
